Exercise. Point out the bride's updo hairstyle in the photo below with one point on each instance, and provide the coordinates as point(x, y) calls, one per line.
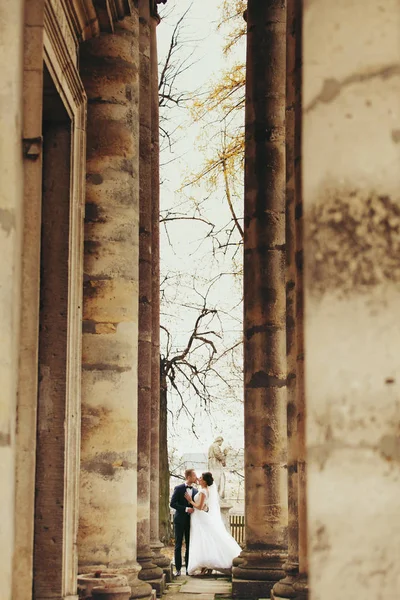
point(208, 478)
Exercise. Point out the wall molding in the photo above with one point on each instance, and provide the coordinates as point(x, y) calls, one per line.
point(61, 48)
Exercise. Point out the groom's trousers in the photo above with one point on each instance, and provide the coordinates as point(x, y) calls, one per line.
point(182, 530)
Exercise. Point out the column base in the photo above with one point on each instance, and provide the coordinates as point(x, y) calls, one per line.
point(149, 570)
point(237, 561)
point(161, 561)
point(301, 587)
point(158, 557)
point(168, 572)
point(285, 587)
point(257, 574)
point(140, 590)
point(293, 587)
point(158, 585)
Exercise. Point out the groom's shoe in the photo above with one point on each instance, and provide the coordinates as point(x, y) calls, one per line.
point(178, 574)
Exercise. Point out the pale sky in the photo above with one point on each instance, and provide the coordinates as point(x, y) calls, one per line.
point(183, 251)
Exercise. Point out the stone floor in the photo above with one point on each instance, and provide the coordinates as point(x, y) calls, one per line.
point(201, 587)
point(207, 587)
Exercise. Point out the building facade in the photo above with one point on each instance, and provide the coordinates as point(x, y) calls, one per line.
point(79, 298)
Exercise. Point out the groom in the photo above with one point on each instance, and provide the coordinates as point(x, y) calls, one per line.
point(183, 510)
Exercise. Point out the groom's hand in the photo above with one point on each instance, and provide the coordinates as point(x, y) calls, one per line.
point(190, 510)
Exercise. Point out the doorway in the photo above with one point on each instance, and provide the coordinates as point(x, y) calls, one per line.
point(51, 475)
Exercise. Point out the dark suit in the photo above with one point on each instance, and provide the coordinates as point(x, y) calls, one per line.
point(181, 523)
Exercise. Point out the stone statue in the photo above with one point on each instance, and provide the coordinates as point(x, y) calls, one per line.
point(217, 463)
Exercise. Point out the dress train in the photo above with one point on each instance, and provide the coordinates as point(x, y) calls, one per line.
point(211, 546)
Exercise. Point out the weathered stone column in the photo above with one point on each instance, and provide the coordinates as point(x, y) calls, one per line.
point(264, 305)
point(301, 584)
point(150, 571)
point(284, 588)
point(351, 194)
point(108, 506)
point(155, 544)
point(294, 582)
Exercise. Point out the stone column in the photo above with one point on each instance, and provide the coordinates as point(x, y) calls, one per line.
point(351, 194)
point(155, 544)
point(284, 588)
point(108, 500)
point(300, 585)
point(295, 583)
point(264, 305)
point(150, 571)
point(11, 214)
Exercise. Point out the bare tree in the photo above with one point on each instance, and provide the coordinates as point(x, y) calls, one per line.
point(178, 59)
point(180, 370)
point(191, 366)
point(190, 373)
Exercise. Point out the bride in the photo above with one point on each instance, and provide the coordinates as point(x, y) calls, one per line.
point(210, 546)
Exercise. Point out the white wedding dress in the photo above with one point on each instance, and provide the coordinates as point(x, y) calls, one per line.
point(211, 546)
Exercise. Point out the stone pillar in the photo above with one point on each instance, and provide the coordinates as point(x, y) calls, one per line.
point(11, 210)
point(301, 583)
point(284, 588)
point(294, 585)
point(351, 183)
point(108, 505)
point(264, 305)
point(159, 559)
point(150, 571)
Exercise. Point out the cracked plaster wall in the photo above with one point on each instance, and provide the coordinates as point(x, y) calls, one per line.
point(351, 177)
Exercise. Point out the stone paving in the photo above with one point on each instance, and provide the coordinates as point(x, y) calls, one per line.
point(207, 587)
point(200, 587)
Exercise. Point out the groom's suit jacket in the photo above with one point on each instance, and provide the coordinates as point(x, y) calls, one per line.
point(180, 504)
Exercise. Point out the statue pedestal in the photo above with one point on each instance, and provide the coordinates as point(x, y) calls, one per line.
point(225, 508)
